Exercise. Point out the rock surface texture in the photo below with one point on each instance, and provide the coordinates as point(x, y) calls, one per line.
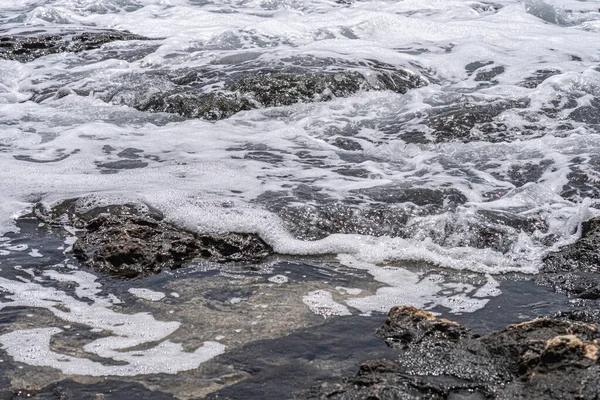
point(25, 47)
point(574, 270)
point(129, 240)
point(262, 88)
point(439, 359)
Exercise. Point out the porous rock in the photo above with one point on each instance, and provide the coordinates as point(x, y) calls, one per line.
point(574, 270)
point(129, 240)
point(438, 359)
point(270, 88)
point(27, 47)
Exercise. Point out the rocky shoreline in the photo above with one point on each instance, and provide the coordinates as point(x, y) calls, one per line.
point(439, 359)
point(554, 357)
point(432, 357)
point(129, 241)
point(436, 358)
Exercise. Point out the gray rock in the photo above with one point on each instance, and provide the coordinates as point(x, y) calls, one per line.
point(574, 270)
point(271, 88)
point(25, 47)
point(439, 359)
point(129, 241)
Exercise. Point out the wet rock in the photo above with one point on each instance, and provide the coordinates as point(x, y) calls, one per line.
point(439, 359)
point(310, 222)
point(266, 88)
point(130, 240)
point(311, 215)
point(109, 389)
point(538, 77)
point(489, 74)
point(25, 47)
point(589, 313)
point(467, 122)
point(436, 198)
point(209, 106)
point(574, 270)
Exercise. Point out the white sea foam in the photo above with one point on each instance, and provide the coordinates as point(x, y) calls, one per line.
point(321, 302)
point(424, 291)
point(146, 294)
point(210, 176)
point(278, 279)
point(32, 346)
point(352, 291)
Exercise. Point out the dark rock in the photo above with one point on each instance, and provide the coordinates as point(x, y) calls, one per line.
point(266, 88)
point(128, 240)
point(575, 269)
point(590, 314)
point(439, 359)
point(274, 89)
point(540, 76)
point(589, 114)
point(209, 106)
point(311, 214)
point(465, 121)
point(419, 196)
point(109, 389)
point(406, 325)
point(489, 74)
point(26, 47)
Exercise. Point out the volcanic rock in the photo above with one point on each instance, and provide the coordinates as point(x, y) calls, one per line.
point(272, 88)
point(25, 47)
point(129, 241)
point(439, 359)
point(574, 270)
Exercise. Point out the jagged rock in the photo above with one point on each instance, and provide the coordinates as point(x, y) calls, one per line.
point(471, 121)
point(209, 106)
point(26, 47)
point(575, 269)
point(406, 325)
point(439, 359)
point(129, 240)
point(267, 88)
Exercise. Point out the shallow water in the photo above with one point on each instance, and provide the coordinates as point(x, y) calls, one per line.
point(388, 194)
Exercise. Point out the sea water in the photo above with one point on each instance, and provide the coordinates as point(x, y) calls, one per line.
point(489, 165)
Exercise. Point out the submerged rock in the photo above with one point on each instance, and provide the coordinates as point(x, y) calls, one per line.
point(439, 359)
point(222, 88)
point(108, 389)
point(467, 122)
point(574, 270)
point(27, 47)
point(129, 240)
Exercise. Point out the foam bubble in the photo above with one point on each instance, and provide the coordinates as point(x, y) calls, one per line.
point(278, 279)
point(146, 294)
point(216, 176)
point(321, 302)
point(32, 346)
point(419, 290)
